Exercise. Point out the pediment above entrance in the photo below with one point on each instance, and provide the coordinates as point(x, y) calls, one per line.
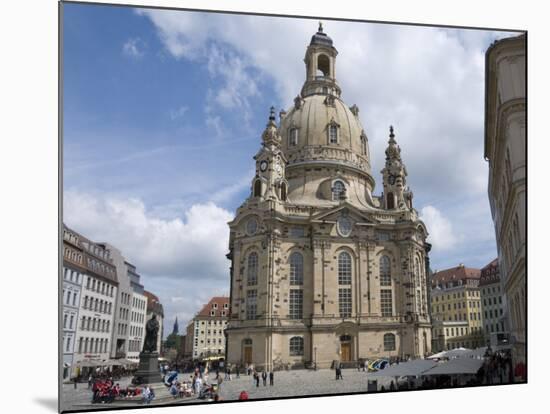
point(345, 210)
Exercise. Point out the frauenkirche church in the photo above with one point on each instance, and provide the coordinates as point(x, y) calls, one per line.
point(323, 269)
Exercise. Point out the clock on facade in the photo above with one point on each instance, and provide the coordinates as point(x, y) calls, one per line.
point(263, 165)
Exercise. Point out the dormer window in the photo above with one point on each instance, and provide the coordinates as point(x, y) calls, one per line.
point(257, 188)
point(333, 133)
point(364, 148)
point(338, 191)
point(283, 192)
point(293, 137)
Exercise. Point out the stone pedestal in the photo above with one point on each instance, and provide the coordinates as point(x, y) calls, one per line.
point(148, 371)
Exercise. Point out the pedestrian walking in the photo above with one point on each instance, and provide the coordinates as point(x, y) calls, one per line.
point(198, 385)
point(90, 381)
point(264, 377)
point(271, 375)
point(148, 395)
point(257, 378)
point(220, 380)
point(237, 368)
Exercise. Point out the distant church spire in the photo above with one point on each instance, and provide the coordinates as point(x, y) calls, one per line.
point(176, 327)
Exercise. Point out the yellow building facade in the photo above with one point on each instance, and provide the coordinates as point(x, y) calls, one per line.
point(456, 309)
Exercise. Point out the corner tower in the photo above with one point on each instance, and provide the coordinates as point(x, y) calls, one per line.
point(396, 194)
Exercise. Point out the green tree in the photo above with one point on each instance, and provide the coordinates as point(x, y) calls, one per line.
point(173, 341)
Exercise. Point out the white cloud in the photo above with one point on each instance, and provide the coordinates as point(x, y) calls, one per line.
point(427, 82)
point(442, 235)
point(189, 249)
point(178, 113)
point(134, 47)
point(229, 191)
point(215, 123)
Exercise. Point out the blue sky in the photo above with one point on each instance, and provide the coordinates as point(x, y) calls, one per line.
point(163, 112)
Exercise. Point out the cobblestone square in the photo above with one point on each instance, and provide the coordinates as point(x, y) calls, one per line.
point(286, 384)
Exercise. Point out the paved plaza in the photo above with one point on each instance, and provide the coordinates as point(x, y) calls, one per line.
point(286, 384)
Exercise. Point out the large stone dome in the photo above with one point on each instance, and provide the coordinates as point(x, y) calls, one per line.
point(307, 137)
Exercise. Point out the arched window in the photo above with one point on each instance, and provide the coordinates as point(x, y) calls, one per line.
point(338, 190)
point(389, 201)
point(364, 144)
point(283, 191)
point(257, 188)
point(296, 346)
point(389, 342)
point(252, 269)
point(296, 269)
point(385, 271)
point(333, 134)
point(293, 137)
point(344, 278)
point(323, 64)
point(344, 268)
point(508, 167)
point(417, 272)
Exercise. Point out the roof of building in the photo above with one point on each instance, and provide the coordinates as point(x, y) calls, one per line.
point(490, 273)
point(96, 259)
point(215, 304)
point(457, 273)
point(153, 303)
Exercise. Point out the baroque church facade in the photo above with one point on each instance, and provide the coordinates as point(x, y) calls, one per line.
point(322, 269)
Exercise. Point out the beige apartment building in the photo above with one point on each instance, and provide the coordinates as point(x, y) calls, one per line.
point(505, 150)
point(205, 335)
point(322, 268)
point(493, 303)
point(456, 309)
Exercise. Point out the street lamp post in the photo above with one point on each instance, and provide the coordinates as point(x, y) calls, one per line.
point(315, 358)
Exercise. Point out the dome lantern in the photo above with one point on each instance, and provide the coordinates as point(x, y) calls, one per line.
point(320, 66)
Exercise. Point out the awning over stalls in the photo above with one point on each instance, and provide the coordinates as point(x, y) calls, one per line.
point(410, 368)
point(453, 353)
point(456, 366)
point(89, 363)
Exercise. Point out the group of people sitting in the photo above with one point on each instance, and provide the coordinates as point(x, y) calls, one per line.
point(106, 391)
point(181, 389)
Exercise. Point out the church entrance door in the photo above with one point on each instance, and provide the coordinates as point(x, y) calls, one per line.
point(247, 354)
point(346, 352)
point(345, 348)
